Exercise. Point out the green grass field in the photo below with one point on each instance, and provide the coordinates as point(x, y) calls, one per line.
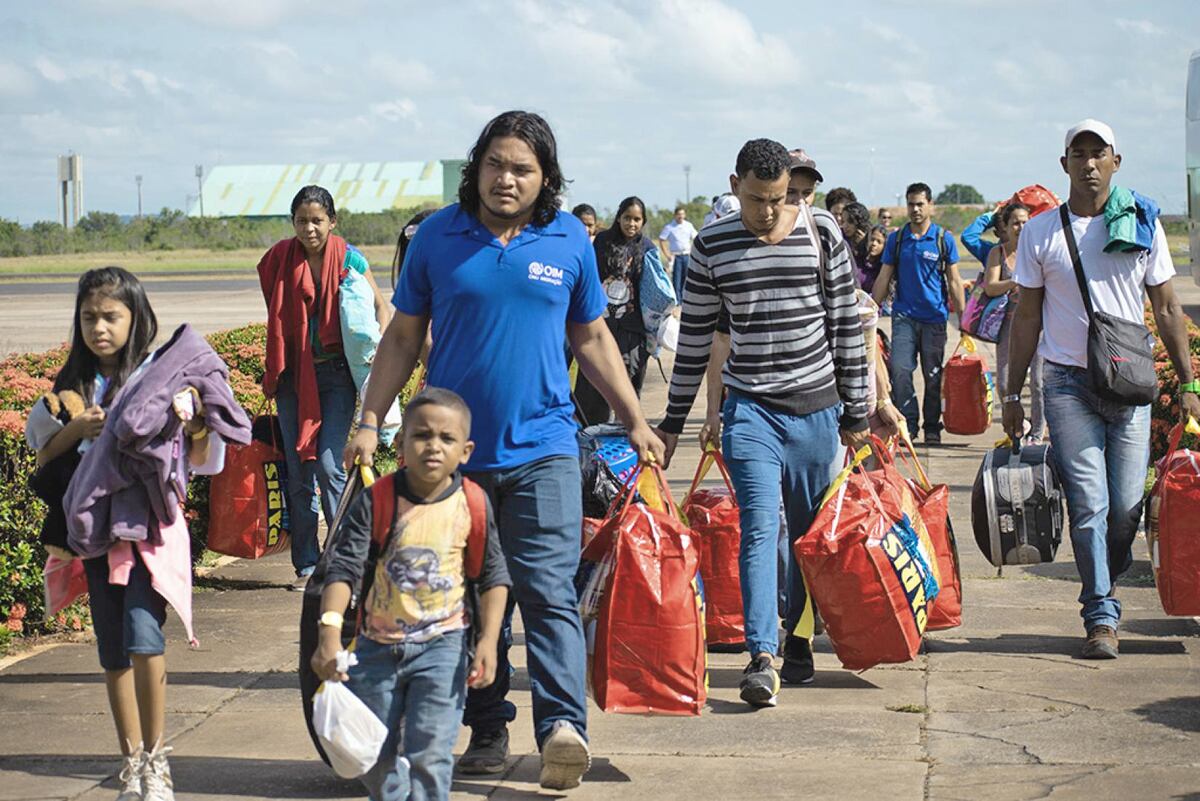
point(159, 262)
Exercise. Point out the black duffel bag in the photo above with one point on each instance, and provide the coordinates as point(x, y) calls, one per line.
point(1120, 355)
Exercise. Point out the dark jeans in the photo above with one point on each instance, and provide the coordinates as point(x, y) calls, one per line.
point(335, 387)
point(911, 339)
point(539, 516)
point(591, 405)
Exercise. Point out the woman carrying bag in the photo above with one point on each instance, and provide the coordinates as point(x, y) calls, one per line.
point(307, 369)
point(998, 281)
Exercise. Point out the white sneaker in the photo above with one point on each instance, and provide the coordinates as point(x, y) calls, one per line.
point(130, 777)
point(565, 758)
point(156, 775)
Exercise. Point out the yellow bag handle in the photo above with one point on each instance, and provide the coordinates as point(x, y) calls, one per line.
point(861, 456)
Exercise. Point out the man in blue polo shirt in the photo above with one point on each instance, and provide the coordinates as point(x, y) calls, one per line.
point(923, 259)
point(501, 276)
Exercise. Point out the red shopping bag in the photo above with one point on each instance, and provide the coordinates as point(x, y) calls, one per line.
point(967, 396)
point(1171, 531)
point(247, 500)
point(712, 515)
point(934, 503)
point(649, 641)
point(866, 567)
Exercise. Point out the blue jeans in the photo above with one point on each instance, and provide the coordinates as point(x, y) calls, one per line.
point(338, 398)
point(911, 339)
point(770, 453)
point(127, 619)
point(417, 690)
point(539, 517)
point(1102, 451)
point(679, 270)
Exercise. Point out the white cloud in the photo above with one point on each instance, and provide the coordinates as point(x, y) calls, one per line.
point(1142, 26)
point(49, 70)
point(15, 81)
point(890, 36)
point(395, 110)
point(714, 42)
point(233, 14)
point(405, 73)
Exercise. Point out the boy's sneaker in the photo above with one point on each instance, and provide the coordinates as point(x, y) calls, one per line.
point(486, 754)
point(300, 582)
point(565, 757)
point(130, 777)
point(797, 661)
point(760, 683)
point(156, 775)
point(933, 438)
point(1101, 643)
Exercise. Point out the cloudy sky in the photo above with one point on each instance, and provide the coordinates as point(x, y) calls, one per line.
point(880, 93)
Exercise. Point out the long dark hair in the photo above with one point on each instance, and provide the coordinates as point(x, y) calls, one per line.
point(405, 239)
point(534, 131)
point(82, 365)
point(614, 251)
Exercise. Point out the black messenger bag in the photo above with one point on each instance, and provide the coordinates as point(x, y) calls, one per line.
point(1120, 357)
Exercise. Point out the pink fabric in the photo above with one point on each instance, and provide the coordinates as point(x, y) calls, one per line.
point(170, 566)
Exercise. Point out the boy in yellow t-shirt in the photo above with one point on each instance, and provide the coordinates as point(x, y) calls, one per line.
point(420, 604)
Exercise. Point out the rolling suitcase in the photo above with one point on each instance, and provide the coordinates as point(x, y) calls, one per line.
point(1017, 506)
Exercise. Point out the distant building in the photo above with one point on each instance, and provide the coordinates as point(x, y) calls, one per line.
point(266, 190)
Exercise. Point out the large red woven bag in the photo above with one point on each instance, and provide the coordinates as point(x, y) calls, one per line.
point(649, 644)
point(967, 396)
point(864, 568)
point(712, 514)
point(934, 503)
point(1172, 531)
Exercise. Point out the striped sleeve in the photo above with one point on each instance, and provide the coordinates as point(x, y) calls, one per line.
point(697, 323)
point(844, 326)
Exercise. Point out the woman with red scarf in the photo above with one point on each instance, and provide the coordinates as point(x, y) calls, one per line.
point(306, 371)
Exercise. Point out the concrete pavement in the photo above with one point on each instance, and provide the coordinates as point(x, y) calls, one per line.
point(998, 709)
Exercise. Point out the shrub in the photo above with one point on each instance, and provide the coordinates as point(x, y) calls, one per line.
point(1164, 413)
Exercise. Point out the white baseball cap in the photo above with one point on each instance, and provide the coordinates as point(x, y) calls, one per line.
point(1100, 129)
point(726, 205)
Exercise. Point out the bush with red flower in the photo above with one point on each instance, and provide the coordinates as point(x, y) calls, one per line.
point(1164, 413)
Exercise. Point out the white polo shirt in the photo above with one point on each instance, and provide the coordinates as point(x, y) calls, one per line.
point(679, 236)
point(1117, 281)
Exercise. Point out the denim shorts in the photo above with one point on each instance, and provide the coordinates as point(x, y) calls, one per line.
point(127, 619)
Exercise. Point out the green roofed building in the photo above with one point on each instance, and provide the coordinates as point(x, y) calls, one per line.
point(267, 190)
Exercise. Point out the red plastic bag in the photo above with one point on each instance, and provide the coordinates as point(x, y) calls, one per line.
point(967, 396)
point(649, 640)
point(713, 517)
point(934, 503)
point(1037, 197)
point(870, 586)
point(1171, 531)
point(247, 503)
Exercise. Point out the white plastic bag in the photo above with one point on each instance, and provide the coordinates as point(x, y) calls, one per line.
point(389, 426)
point(348, 730)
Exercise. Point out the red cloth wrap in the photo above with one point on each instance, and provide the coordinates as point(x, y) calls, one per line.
point(291, 298)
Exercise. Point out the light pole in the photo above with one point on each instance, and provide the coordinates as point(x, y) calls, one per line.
point(687, 183)
point(200, 186)
point(138, 180)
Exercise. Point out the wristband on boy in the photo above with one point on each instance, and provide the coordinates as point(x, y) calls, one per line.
point(332, 619)
point(367, 427)
point(1192, 387)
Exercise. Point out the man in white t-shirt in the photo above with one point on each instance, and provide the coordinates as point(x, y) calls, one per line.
point(1101, 447)
point(676, 243)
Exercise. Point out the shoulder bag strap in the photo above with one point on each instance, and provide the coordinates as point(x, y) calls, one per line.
point(822, 259)
point(1076, 262)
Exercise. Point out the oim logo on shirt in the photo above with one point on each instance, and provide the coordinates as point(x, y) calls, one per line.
point(546, 273)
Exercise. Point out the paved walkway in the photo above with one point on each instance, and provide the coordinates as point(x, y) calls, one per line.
point(998, 709)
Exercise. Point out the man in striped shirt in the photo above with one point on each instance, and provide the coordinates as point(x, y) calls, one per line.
point(797, 376)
